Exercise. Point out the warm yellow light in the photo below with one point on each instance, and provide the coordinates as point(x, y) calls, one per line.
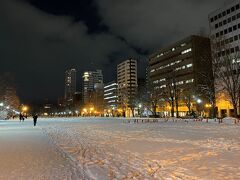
point(208, 105)
point(91, 109)
point(24, 108)
point(84, 110)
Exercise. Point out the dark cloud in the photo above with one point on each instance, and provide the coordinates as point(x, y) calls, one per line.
point(39, 47)
point(154, 23)
point(39, 41)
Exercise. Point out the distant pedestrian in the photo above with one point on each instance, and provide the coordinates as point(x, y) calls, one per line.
point(35, 117)
point(21, 117)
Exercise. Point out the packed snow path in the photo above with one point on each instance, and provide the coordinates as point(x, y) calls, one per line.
point(27, 153)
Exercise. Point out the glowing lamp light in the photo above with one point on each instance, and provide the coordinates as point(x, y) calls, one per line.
point(208, 105)
point(199, 101)
point(25, 108)
point(1, 104)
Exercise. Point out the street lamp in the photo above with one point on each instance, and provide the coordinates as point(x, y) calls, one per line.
point(24, 108)
point(199, 101)
point(139, 109)
point(91, 110)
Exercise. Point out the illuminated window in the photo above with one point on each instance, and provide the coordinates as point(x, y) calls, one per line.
point(184, 44)
point(189, 65)
point(187, 51)
point(189, 81)
point(179, 83)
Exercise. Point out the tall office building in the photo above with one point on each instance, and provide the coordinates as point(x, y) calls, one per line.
point(225, 40)
point(183, 62)
point(70, 85)
point(111, 97)
point(127, 85)
point(92, 82)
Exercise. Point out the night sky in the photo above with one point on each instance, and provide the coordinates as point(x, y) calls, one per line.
point(40, 39)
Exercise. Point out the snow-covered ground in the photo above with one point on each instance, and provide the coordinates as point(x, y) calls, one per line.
point(26, 153)
point(101, 148)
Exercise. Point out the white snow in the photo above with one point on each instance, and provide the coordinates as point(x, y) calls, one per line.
point(101, 148)
point(27, 153)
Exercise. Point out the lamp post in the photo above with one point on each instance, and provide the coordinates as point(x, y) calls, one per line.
point(1, 105)
point(199, 101)
point(84, 111)
point(139, 109)
point(91, 110)
point(25, 109)
point(77, 113)
point(199, 108)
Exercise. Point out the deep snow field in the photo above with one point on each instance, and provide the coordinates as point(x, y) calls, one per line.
point(101, 148)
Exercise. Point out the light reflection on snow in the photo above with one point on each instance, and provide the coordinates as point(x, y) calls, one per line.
point(110, 148)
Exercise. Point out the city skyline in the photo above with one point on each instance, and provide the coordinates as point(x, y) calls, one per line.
point(128, 89)
point(63, 35)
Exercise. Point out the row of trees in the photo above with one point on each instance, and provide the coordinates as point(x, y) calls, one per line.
point(8, 93)
point(174, 96)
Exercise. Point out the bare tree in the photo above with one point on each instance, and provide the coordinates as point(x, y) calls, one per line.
point(169, 95)
point(187, 95)
point(8, 93)
point(154, 102)
point(226, 69)
point(207, 88)
point(172, 92)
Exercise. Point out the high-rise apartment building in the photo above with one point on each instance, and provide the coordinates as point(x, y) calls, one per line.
point(70, 85)
point(182, 65)
point(92, 80)
point(127, 85)
point(225, 40)
point(225, 29)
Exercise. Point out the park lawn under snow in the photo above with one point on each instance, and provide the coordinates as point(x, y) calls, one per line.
point(109, 148)
point(27, 153)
